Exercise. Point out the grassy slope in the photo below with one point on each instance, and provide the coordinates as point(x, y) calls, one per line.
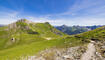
point(96, 35)
point(31, 38)
point(25, 33)
point(33, 48)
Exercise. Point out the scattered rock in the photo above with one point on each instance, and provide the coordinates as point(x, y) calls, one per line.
point(73, 53)
point(48, 38)
point(13, 39)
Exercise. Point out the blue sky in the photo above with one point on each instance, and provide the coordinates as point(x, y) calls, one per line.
point(57, 12)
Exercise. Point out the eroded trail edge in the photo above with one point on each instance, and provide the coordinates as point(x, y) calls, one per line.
point(90, 52)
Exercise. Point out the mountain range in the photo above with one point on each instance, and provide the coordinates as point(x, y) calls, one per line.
point(1, 25)
point(76, 29)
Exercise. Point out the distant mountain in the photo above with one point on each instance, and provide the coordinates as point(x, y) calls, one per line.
point(76, 29)
point(1, 25)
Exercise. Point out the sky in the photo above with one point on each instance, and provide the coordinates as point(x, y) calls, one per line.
point(56, 12)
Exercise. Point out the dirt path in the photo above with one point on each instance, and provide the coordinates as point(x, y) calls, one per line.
point(90, 52)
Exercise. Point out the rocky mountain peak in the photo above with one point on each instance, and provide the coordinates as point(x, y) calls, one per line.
point(19, 23)
point(24, 21)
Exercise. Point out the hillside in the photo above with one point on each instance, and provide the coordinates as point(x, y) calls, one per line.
point(95, 35)
point(24, 39)
point(98, 38)
point(27, 38)
point(76, 29)
point(24, 31)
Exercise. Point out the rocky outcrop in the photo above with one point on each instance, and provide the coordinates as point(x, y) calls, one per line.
point(73, 53)
point(25, 21)
point(14, 25)
point(100, 50)
point(13, 39)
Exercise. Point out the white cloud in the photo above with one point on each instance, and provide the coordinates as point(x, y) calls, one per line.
point(43, 19)
point(82, 12)
point(85, 7)
point(72, 21)
point(8, 17)
point(85, 21)
point(12, 17)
